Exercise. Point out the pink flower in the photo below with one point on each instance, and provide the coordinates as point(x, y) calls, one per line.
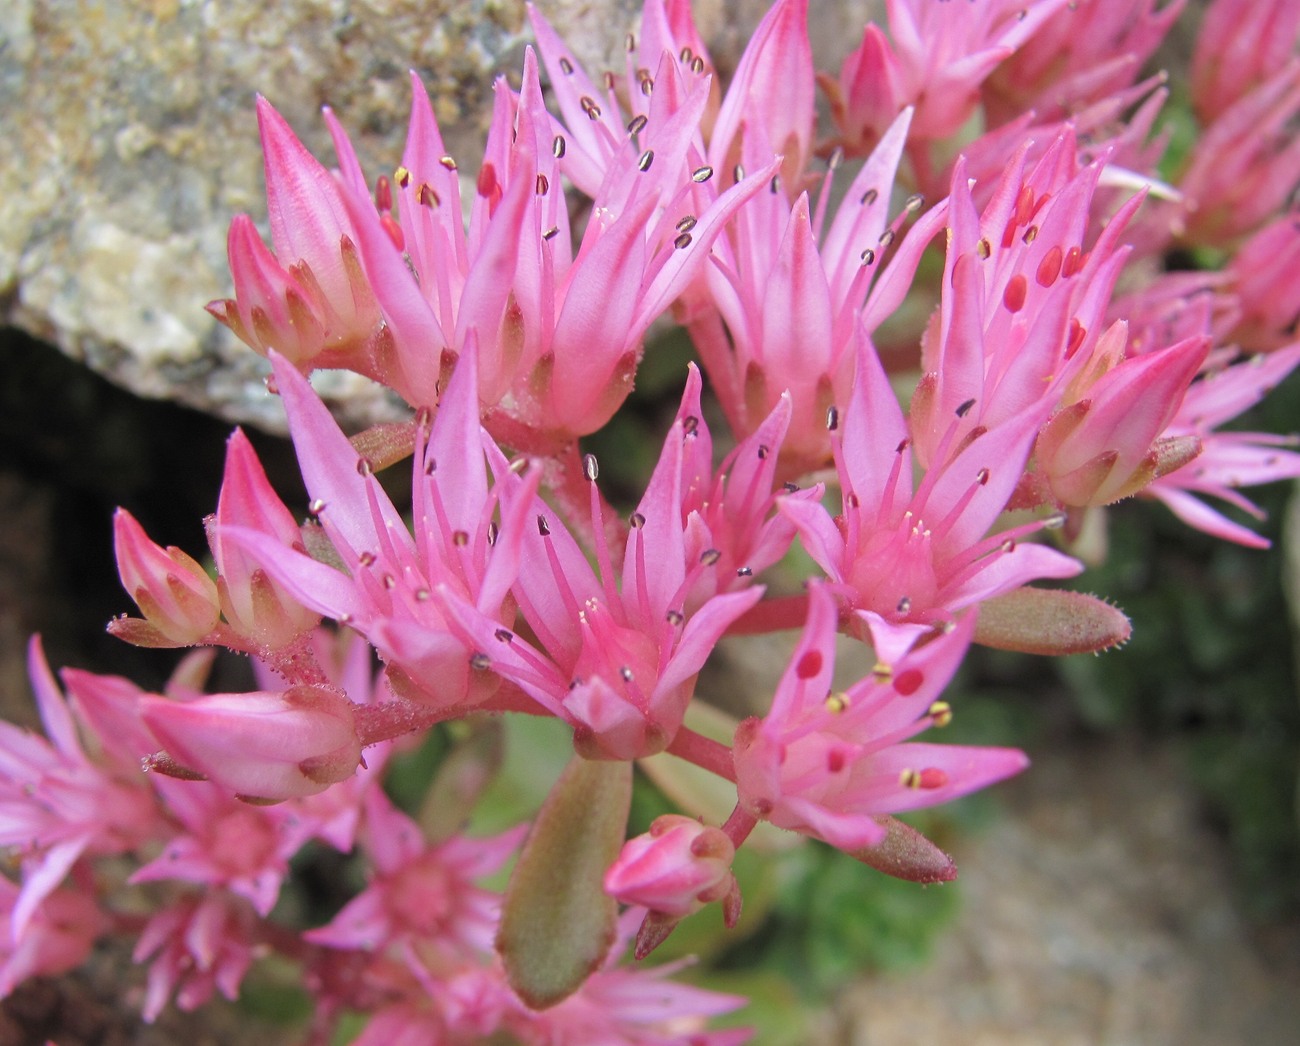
point(57, 804)
point(55, 938)
point(309, 301)
point(558, 335)
point(1023, 298)
point(939, 56)
point(622, 648)
point(421, 897)
point(256, 608)
point(1241, 44)
point(1267, 285)
point(224, 843)
point(907, 558)
point(791, 296)
point(676, 868)
point(195, 947)
point(1229, 460)
point(830, 764)
point(264, 745)
point(1243, 168)
point(1087, 52)
point(178, 599)
point(388, 574)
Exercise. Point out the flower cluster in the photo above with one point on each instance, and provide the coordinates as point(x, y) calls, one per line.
point(933, 469)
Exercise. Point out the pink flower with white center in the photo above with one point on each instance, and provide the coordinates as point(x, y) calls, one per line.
point(1088, 51)
point(1229, 460)
point(224, 843)
point(675, 868)
point(558, 334)
point(195, 947)
point(422, 898)
point(905, 559)
point(57, 805)
point(388, 573)
point(1245, 166)
point(621, 649)
point(309, 301)
point(1241, 44)
point(55, 938)
point(255, 607)
point(1023, 299)
point(262, 745)
point(791, 295)
point(831, 764)
point(938, 59)
point(178, 599)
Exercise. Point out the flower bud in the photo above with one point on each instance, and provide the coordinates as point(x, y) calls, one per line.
point(260, 745)
point(173, 591)
point(676, 868)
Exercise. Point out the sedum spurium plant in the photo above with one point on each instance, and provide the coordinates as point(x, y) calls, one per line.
point(932, 475)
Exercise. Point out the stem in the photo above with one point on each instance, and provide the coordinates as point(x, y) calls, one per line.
point(739, 825)
point(704, 752)
point(771, 615)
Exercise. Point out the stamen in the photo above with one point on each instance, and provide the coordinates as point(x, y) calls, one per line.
point(558, 147)
point(940, 713)
point(590, 467)
point(702, 174)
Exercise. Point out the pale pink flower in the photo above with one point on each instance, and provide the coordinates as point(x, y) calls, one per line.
point(309, 301)
point(1266, 279)
point(1246, 164)
point(676, 868)
point(195, 947)
point(1229, 460)
point(178, 599)
point(830, 764)
point(222, 842)
point(256, 608)
point(935, 59)
point(57, 804)
point(420, 894)
point(56, 937)
point(262, 745)
point(1082, 54)
point(1240, 45)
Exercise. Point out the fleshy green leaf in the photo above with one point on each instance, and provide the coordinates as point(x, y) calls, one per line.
point(557, 922)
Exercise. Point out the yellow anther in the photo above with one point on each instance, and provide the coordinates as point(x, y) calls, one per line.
point(881, 672)
point(837, 703)
point(940, 713)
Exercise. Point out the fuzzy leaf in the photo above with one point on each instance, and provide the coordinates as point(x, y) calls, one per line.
point(1051, 621)
point(557, 922)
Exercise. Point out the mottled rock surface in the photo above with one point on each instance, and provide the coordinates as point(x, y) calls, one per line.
point(130, 142)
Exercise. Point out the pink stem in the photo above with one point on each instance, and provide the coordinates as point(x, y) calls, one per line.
point(704, 752)
point(739, 825)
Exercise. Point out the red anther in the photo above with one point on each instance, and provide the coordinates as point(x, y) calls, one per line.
point(1077, 333)
point(1072, 262)
point(383, 194)
point(932, 777)
point(1014, 296)
point(1050, 267)
point(809, 665)
point(1024, 205)
point(907, 683)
